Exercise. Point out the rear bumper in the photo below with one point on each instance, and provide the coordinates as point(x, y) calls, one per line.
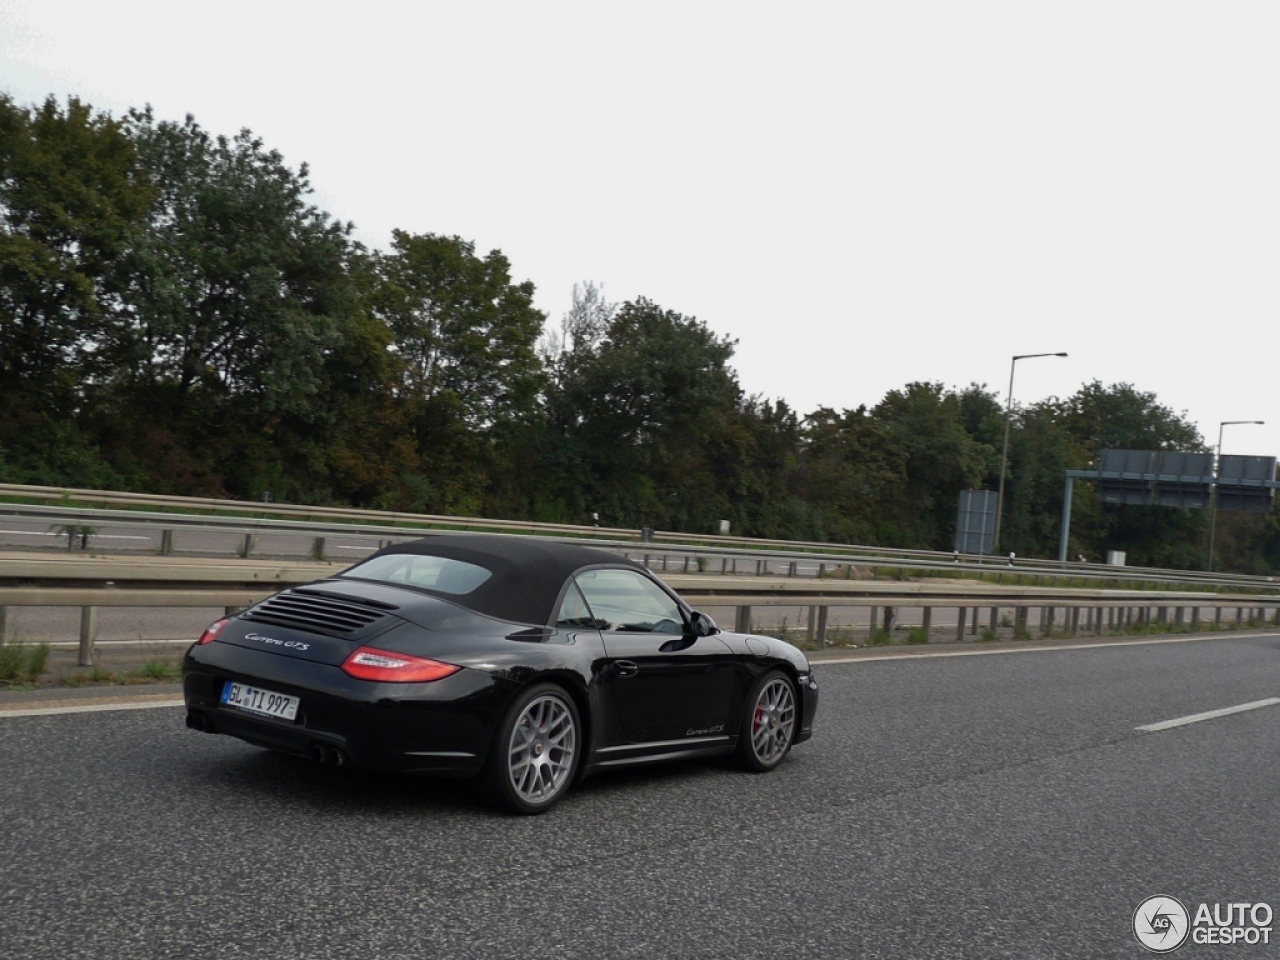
point(443, 727)
point(808, 706)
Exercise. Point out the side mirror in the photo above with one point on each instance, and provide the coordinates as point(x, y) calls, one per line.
point(701, 625)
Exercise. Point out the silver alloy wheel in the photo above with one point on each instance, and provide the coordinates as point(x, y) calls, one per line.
point(773, 722)
point(543, 744)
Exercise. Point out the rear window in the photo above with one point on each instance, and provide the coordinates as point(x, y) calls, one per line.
point(441, 574)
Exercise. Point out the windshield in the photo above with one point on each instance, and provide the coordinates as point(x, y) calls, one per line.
point(441, 574)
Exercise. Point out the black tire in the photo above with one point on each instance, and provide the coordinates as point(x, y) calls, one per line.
point(769, 719)
point(536, 752)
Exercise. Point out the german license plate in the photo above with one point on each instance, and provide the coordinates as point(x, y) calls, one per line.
point(267, 703)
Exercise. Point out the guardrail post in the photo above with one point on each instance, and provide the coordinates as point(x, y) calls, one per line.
point(995, 618)
point(232, 611)
point(890, 614)
point(317, 549)
point(686, 564)
point(724, 563)
point(926, 618)
point(1075, 621)
point(88, 634)
point(1217, 617)
point(1275, 619)
point(1020, 615)
point(1195, 618)
point(1179, 616)
point(4, 616)
point(246, 546)
point(1239, 615)
point(822, 570)
point(1163, 616)
point(811, 625)
point(742, 623)
point(822, 625)
point(166, 542)
point(960, 618)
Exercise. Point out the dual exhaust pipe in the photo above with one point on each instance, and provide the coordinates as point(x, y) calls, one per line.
point(329, 756)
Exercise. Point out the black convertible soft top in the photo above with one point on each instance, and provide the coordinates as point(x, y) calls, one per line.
point(527, 573)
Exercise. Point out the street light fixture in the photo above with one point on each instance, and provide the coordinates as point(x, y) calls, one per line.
point(1213, 501)
point(1004, 453)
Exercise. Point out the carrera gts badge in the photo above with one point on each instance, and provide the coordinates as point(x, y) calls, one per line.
point(291, 644)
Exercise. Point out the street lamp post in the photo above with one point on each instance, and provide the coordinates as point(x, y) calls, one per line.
point(1004, 453)
point(1213, 500)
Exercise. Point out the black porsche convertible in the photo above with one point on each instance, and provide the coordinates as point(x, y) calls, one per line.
point(526, 663)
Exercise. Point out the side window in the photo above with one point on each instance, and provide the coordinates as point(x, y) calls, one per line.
point(574, 612)
point(626, 601)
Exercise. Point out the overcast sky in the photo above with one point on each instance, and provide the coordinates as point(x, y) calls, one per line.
point(863, 194)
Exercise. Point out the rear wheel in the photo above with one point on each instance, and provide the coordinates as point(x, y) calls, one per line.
point(768, 723)
point(536, 752)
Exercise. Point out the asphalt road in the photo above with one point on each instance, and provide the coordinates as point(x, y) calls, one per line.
point(992, 806)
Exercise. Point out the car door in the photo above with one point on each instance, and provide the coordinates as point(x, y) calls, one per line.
point(664, 684)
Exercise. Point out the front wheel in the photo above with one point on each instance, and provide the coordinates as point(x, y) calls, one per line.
point(768, 722)
point(536, 752)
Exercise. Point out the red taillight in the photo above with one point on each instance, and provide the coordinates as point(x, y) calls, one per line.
point(211, 634)
point(370, 663)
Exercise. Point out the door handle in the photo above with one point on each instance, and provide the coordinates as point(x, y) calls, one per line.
point(627, 668)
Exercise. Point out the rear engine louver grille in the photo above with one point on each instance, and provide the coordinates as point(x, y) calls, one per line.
point(334, 616)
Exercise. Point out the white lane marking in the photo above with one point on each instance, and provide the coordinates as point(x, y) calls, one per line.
point(1105, 645)
point(1209, 715)
point(89, 708)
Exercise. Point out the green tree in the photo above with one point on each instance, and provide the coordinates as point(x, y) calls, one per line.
point(236, 316)
point(633, 420)
point(70, 195)
point(853, 476)
point(1071, 433)
point(924, 420)
point(464, 335)
point(237, 287)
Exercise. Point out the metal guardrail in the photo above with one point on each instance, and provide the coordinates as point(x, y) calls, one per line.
point(702, 557)
point(91, 583)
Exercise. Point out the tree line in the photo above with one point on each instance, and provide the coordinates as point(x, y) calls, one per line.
point(176, 316)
